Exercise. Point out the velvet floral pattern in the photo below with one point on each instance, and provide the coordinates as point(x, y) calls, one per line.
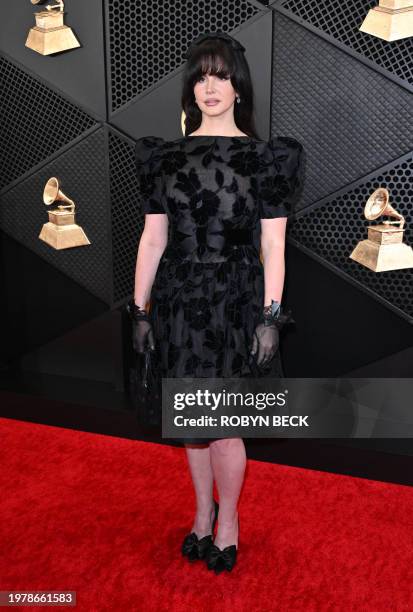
point(208, 291)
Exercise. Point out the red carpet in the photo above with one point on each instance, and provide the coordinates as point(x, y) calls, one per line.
point(105, 516)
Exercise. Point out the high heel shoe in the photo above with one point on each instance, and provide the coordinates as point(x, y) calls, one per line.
point(220, 560)
point(195, 548)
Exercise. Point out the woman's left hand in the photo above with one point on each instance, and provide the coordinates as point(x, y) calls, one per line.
point(265, 343)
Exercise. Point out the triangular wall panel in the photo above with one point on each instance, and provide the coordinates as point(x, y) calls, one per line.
point(36, 122)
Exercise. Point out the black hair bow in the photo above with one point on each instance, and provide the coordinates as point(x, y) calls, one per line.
point(222, 35)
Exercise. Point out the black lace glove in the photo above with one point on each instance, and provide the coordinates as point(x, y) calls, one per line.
point(142, 330)
point(265, 343)
point(266, 337)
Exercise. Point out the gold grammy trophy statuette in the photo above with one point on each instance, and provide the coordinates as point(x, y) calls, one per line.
point(50, 34)
point(391, 20)
point(61, 232)
point(384, 248)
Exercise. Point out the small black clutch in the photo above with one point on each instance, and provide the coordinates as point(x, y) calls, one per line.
point(145, 388)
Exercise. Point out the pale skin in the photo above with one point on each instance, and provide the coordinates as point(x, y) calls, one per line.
point(221, 460)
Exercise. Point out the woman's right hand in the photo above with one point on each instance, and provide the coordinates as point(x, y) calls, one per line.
point(142, 336)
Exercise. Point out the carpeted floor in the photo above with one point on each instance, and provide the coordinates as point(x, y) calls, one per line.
point(105, 517)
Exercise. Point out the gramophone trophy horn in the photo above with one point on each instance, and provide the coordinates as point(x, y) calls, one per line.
point(384, 248)
point(61, 231)
point(50, 34)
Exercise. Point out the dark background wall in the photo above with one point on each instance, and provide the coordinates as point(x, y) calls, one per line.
point(346, 95)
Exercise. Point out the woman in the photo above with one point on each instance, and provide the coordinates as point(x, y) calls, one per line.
point(214, 307)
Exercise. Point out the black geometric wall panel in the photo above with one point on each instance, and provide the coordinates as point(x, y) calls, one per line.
point(127, 219)
point(83, 172)
point(342, 21)
point(351, 119)
point(36, 122)
point(147, 39)
point(332, 230)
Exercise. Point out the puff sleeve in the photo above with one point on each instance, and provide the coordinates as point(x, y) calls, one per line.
point(281, 177)
point(148, 163)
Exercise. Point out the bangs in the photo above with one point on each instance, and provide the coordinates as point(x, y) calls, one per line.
point(213, 63)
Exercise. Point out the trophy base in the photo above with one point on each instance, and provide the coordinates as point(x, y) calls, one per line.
point(383, 257)
point(63, 237)
point(52, 40)
point(389, 24)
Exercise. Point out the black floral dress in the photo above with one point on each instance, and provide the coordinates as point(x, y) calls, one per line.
point(208, 292)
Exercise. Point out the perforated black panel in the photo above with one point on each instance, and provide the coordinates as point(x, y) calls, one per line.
point(36, 122)
point(127, 219)
point(334, 229)
point(147, 39)
point(342, 20)
point(83, 173)
point(350, 118)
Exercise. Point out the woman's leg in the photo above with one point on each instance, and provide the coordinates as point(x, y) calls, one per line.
point(228, 460)
point(202, 477)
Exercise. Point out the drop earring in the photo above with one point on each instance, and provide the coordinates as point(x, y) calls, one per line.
point(238, 99)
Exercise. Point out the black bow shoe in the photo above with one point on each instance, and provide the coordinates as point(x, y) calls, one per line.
point(220, 560)
point(195, 548)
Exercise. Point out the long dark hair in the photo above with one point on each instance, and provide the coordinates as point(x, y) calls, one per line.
point(217, 57)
